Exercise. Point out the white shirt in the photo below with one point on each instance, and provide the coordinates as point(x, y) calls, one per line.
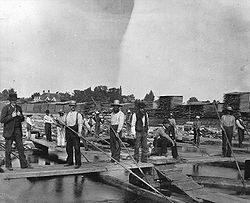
point(29, 121)
point(134, 121)
point(239, 125)
point(118, 119)
point(48, 119)
point(70, 120)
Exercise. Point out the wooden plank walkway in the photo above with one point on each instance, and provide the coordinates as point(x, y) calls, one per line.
point(192, 189)
point(60, 170)
point(182, 182)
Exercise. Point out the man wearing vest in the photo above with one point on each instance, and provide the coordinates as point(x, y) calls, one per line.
point(228, 128)
point(139, 129)
point(241, 128)
point(117, 121)
point(74, 121)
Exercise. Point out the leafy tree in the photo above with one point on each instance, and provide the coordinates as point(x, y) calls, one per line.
point(5, 93)
point(149, 97)
point(65, 96)
point(192, 99)
point(36, 94)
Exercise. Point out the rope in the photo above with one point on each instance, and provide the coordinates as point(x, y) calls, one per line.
point(229, 144)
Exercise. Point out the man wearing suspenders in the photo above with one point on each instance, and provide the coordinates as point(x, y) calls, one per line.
point(74, 121)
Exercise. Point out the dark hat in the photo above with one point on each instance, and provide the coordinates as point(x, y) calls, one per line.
point(47, 111)
point(141, 104)
point(13, 97)
point(116, 103)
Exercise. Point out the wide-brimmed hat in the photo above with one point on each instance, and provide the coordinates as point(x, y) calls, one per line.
point(72, 103)
point(116, 103)
point(229, 108)
point(141, 104)
point(12, 97)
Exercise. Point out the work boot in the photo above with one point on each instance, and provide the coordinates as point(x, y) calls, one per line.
point(68, 164)
point(9, 168)
point(77, 166)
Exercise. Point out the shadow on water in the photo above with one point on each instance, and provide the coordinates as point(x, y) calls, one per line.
point(76, 188)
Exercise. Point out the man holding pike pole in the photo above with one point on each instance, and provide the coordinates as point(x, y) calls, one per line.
point(74, 121)
point(117, 121)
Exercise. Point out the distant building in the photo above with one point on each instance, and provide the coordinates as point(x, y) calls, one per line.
point(48, 97)
point(239, 101)
point(169, 102)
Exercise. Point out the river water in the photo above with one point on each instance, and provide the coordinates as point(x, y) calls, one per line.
point(62, 189)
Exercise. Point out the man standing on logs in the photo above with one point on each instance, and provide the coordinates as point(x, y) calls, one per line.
point(139, 129)
point(228, 128)
point(48, 120)
point(197, 133)
point(117, 121)
point(12, 118)
point(74, 122)
point(172, 127)
point(241, 128)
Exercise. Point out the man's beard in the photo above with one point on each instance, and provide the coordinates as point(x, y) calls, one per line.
point(115, 110)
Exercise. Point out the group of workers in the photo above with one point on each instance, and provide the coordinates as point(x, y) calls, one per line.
point(70, 129)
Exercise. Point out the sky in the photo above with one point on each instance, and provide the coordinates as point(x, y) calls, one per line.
point(192, 48)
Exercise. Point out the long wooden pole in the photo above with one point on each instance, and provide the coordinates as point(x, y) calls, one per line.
point(119, 164)
point(117, 135)
point(230, 146)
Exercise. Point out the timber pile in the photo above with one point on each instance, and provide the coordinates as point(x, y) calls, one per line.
point(232, 100)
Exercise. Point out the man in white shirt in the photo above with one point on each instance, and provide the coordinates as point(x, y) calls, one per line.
point(117, 121)
point(241, 128)
point(48, 121)
point(139, 129)
point(74, 121)
point(228, 128)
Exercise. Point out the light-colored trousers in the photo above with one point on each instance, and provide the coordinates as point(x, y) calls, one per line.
point(60, 136)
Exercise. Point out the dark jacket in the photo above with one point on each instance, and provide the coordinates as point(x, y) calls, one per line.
point(10, 122)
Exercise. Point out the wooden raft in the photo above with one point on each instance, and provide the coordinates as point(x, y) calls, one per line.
point(194, 190)
point(60, 170)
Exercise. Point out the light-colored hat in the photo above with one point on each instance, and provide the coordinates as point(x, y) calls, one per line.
point(229, 108)
point(116, 103)
point(97, 112)
point(198, 117)
point(72, 103)
point(129, 111)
